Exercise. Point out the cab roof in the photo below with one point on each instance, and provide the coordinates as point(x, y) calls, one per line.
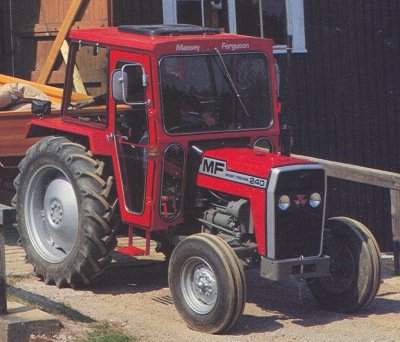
point(149, 37)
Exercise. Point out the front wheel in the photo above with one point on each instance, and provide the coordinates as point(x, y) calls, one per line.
point(354, 267)
point(207, 283)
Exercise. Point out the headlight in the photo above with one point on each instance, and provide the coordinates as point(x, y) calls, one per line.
point(315, 199)
point(263, 144)
point(284, 202)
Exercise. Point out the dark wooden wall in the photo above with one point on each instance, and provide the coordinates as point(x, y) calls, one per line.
point(345, 99)
point(2, 28)
point(34, 30)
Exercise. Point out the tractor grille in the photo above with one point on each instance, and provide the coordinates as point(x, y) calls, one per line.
point(297, 231)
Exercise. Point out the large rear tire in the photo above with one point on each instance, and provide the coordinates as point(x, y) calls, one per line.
point(207, 283)
point(355, 267)
point(64, 212)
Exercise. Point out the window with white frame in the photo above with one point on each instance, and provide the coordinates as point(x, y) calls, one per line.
point(210, 13)
point(263, 18)
point(273, 19)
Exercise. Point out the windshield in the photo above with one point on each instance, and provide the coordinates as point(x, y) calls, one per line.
point(208, 93)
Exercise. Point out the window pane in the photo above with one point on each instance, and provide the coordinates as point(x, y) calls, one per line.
point(137, 12)
point(133, 163)
point(92, 63)
point(172, 181)
point(274, 17)
point(131, 121)
point(198, 96)
point(189, 12)
point(248, 18)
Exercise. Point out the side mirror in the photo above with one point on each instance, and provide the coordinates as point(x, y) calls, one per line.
point(119, 83)
point(129, 84)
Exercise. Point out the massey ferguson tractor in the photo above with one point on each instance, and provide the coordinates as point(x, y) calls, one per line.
point(179, 142)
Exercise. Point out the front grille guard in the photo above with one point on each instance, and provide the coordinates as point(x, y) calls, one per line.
point(271, 205)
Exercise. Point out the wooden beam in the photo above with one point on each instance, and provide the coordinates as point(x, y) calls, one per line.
point(62, 34)
point(78, 83)
point(395, 211)
point(359, 174)
point(6, 218)
point(365, 175)
point(3, 284)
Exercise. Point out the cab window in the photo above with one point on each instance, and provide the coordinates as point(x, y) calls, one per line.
point(89, 79)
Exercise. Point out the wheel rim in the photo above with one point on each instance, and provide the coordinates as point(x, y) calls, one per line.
point(342, 269)
point(199, 285)
point(51, 214)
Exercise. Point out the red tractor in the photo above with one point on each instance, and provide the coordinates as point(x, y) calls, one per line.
point(182, 144)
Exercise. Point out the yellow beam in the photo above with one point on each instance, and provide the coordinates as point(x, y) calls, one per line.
point(62, 34)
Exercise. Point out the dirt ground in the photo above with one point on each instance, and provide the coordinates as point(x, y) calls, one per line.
point(136, 300)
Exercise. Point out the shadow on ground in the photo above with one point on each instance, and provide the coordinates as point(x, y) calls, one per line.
point(48, 305)
point(278, 301)
point(291, 300)
point(136, 277)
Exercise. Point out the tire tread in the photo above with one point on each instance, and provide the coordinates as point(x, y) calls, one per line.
point(99, 236)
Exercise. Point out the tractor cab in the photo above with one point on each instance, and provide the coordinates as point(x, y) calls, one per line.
point(168, 90)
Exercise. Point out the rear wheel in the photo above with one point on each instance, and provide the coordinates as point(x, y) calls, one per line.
point(355, 267)
point(64, 212)
point(207, 283)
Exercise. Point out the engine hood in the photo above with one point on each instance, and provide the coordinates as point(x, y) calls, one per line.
point(243, 165)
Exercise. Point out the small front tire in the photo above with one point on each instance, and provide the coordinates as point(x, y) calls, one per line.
point(355, 267)
point(207, 283)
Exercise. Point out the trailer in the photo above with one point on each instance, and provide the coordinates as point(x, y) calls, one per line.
point(13, 128)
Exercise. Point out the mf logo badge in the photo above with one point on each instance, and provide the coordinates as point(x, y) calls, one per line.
point(212, 166)
point(217, 168)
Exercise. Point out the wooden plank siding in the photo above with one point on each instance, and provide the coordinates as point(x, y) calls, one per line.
point(345, 100)
point(34, 31)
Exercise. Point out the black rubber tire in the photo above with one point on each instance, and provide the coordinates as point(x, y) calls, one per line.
point(374, 252)
point(239, 278)
point(94, 235)
point(355, 267)
point(165, 248)
point(209, 252)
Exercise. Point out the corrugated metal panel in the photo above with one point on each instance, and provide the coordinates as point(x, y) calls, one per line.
point(345, 99)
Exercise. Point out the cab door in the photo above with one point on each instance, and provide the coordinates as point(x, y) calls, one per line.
point(130, 106)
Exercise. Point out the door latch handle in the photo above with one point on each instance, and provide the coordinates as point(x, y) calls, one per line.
point(110, 137)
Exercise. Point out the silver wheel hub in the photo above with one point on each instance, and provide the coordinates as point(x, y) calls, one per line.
point(51, 215)
point(204, 285)
point(199, 285)
point(55, 214)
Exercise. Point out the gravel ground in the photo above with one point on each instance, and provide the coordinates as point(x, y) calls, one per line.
point(136, 300)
